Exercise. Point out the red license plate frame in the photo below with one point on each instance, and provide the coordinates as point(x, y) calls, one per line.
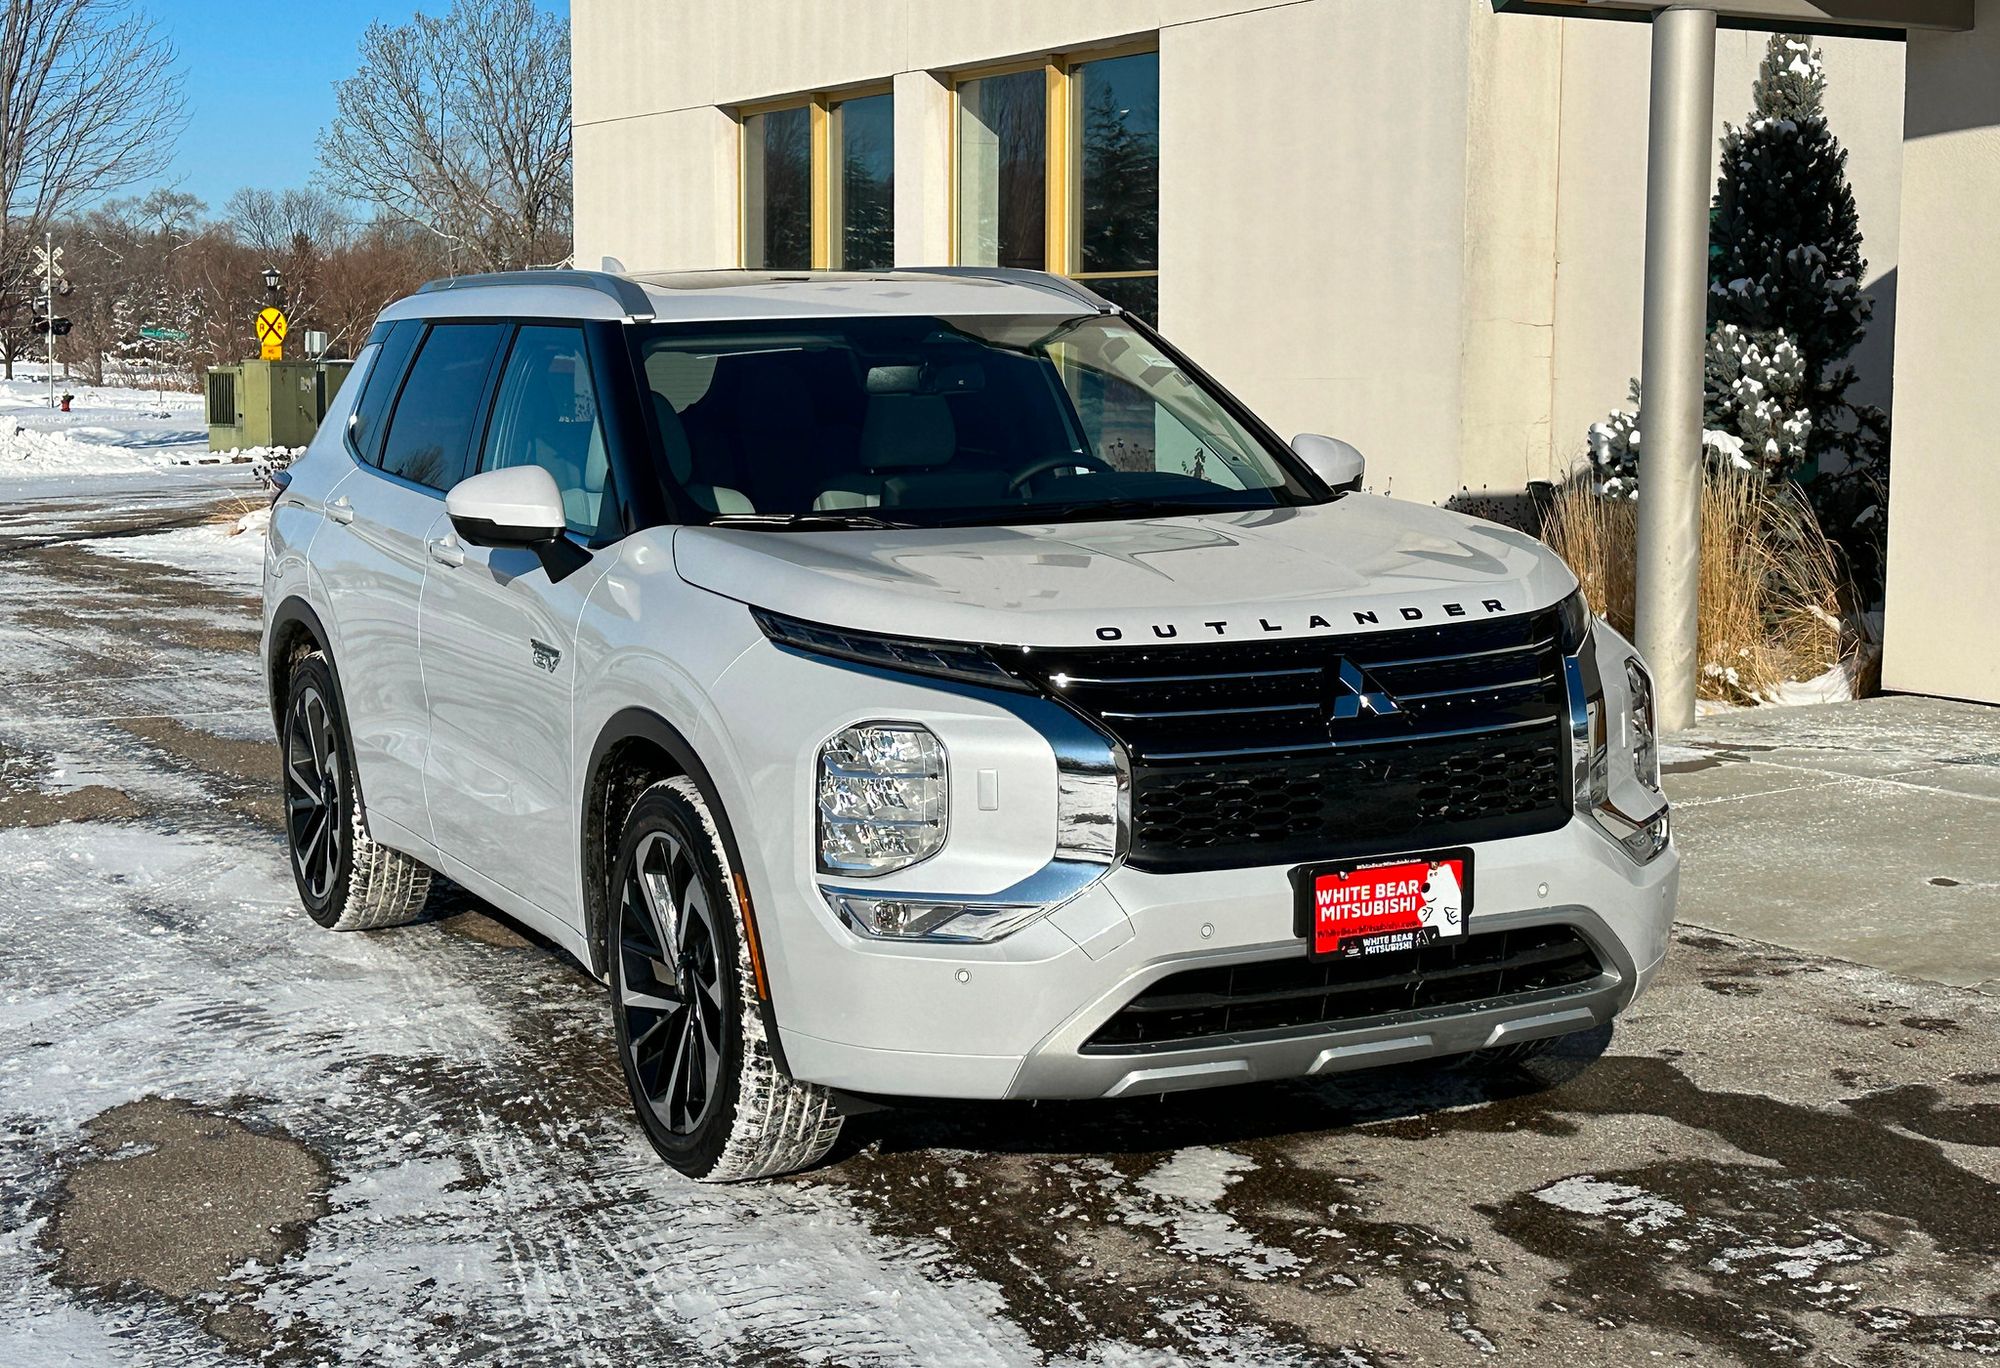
point(1344, 909)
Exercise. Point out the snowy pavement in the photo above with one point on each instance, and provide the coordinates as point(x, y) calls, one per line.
point(228, 1136)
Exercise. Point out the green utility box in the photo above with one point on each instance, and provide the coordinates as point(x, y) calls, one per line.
point(270, 403)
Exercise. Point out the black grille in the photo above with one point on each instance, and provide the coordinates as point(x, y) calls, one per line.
point(1268, 752)
point(222, 398)
point(1296, 993)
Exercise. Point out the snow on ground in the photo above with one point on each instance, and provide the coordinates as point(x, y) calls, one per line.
point(361, 1044)
point(229, 553)
point(109, 430)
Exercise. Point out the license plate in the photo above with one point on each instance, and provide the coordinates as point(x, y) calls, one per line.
point(1374, 907)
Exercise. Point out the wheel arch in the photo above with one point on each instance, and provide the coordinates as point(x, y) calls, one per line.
point(635, 749)
point(296, 630)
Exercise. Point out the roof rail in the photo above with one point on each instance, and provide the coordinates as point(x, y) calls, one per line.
point(1017, 275)
point(631, 298)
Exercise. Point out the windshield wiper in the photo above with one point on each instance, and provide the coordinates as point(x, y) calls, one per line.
point(1124, 508)
point(828, 519)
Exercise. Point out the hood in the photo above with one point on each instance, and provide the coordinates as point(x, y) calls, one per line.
point(1361, 563)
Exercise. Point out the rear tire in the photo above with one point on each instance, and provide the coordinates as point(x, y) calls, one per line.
point(347, 881)
point(683, 996)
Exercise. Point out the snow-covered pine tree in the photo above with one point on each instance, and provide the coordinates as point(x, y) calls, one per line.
point(1785, 240)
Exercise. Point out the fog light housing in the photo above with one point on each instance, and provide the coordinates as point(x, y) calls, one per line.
point(882, 795)
point(890, 917)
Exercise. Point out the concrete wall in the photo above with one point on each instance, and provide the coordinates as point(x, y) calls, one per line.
point(1312, 250)
point(1601, 205)
point(1415, 224)
point(1944, 523)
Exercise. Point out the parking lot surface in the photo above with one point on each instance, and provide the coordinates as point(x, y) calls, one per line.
point(227, 1136)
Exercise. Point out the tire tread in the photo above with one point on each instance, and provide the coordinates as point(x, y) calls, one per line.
point(383, 887)
point(780, 1124)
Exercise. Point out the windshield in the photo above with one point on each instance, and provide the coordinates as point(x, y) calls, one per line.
point(947, 422)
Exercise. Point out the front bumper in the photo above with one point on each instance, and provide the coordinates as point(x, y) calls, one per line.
point(1010, 1019)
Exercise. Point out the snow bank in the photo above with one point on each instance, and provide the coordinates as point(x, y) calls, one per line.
point(228, 553)
point(109, 430)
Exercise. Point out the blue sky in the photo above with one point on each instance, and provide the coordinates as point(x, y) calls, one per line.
point(259, 82)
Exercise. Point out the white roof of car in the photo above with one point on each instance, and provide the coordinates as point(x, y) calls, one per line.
point(717, 296)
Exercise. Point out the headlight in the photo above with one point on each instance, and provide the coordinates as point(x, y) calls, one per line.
point(882, 794)
point(960, 661)
point(1641, 838)
point(1645, 735)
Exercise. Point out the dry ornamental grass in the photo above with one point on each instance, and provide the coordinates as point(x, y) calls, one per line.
point(1771, 583)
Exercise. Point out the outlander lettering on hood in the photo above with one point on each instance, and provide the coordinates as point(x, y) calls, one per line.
point(1317, 622)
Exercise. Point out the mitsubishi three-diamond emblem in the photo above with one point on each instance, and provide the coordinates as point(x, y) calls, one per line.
point(1355, 693)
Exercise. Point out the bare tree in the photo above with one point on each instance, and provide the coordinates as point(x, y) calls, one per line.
point(275, 221)
point(460, 124)
point(89, 103)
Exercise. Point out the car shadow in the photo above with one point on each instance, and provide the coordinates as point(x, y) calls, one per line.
point(1219, 1116)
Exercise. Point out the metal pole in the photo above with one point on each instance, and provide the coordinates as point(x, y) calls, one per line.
point(49, 308)
point(1677, 196)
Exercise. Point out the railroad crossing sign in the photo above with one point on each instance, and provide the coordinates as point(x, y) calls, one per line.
point(48, 263)
point(163, 334)
point(271, 326)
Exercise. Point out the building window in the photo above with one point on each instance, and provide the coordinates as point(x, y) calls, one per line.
point(861, 137)
point(1058, 168)
point(1116, 201)
point(1003, 167)
point(819, 184)
point(777, 189)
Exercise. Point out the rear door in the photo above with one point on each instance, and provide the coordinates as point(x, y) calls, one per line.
point(498, 635)
point(412, 441)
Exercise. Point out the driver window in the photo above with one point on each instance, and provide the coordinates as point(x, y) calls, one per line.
point(546, 415)
point(1134, 427)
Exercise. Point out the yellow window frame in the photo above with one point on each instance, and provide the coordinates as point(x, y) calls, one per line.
point(1063, 198)
point(820, 142)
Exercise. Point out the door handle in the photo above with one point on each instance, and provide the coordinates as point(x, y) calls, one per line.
point(340, 510)
point(446, 551)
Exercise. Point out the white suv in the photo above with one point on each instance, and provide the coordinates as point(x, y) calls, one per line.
point(931, 684)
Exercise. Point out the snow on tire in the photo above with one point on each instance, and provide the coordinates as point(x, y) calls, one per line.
point(690, 1029)
point(347, 881)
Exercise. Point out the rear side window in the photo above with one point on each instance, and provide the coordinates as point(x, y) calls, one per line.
point(398, 340)
point(442, 404)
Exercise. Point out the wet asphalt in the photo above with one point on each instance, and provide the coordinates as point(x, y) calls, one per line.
point(228, 1137)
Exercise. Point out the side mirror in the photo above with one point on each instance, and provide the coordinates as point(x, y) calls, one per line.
point(1333, 460)
point(519, 506)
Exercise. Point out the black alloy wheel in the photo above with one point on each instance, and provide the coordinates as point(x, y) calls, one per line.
point(671, 984)
point(315, 793)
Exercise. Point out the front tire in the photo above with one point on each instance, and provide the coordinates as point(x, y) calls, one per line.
point(347, 881)
point(690, 1031)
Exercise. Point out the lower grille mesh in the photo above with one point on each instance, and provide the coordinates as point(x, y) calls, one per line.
point(1200, 1005)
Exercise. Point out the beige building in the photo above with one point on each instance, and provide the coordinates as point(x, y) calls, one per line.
point(1414, 224)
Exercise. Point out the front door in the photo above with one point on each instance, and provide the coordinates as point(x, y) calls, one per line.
point(498, 637)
